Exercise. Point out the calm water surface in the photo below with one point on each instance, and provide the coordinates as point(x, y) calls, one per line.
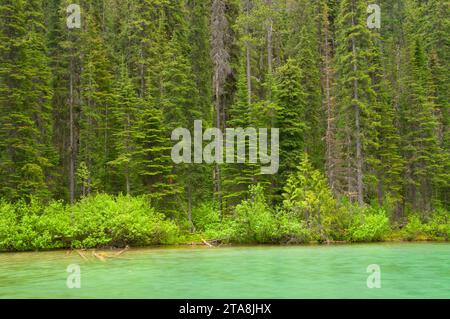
point(407, 271)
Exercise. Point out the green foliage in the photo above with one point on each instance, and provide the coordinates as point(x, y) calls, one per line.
point(124, 113)
point(438, 227)
point(254, 220)
point(307, 197)
point(290, 97)
point(26, 150)
point(105, 220)
point(414, 229)
point(97, 221)
point(292, 230)
point(90, 110)
point(206, 216)
point(238, 177)
point(369, 225)
point(32, 226)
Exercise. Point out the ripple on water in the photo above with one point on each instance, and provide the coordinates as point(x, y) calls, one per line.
point(407, 271)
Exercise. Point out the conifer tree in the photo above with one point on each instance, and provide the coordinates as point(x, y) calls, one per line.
point(96, 85)
point(124, 112)
point(27, 155)
point(241, 174)
point(420, 147)
point(303, 45)
point(291, 100)
point(355, 92)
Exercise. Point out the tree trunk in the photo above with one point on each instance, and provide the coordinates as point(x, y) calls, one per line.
point(72, 135)
point(359, 155)
point(218, 177)
point(189, 195)
point(270, 41)
point(248, 61)
point(127, 167)
point(220, 58)
point(127, 180)
point(330, 132)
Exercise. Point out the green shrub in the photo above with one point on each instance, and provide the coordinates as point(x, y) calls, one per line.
point(438, 227)
point(206, 216)
point(414, 228)
point(226, 231)
point(254, 220)
point(309, 213)
point(308, 198)
point(96, 221)
point(26, 226)
point(291, 230)
point(369, 226)
point(8, 226)
point(118, 221)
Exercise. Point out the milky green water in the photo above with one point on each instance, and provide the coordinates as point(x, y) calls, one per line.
point(407, 271)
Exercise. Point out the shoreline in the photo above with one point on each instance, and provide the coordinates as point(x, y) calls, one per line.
point(123, 250)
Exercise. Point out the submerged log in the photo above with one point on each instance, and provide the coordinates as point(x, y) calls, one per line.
point(100, 256)
point(82, 255)
point(122, 251)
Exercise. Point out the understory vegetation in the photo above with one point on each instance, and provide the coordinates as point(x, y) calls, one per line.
point(309, 214)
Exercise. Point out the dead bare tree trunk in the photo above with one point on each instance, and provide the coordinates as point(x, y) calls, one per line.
point(221, 67)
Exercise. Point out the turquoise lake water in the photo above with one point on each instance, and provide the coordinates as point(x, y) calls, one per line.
point(407, 270)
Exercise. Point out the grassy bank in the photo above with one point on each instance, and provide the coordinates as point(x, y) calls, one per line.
point(108, 221)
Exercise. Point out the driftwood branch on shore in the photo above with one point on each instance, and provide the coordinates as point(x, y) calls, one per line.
point(207, 244)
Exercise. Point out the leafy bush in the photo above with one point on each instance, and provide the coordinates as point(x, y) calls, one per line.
point(254, 220)
point(206, 216)
point(438, 227)
point(25, 226)
point(414, 228)
point(291, 230)
point(309, 213)
point(308, 198)
point(101, 220)
point(119, 221)
point(226, 231)
point(8, 226)
point(369, 226)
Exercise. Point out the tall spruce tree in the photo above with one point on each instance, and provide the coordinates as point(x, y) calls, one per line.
point(355, 93)
point(27, 155)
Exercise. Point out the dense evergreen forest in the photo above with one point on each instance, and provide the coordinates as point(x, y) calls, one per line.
point(86, 116)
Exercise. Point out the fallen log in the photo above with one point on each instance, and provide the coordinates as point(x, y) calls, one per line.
point(207, 244)
point(82, 255)
point(99, 256)
point(122, 251)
